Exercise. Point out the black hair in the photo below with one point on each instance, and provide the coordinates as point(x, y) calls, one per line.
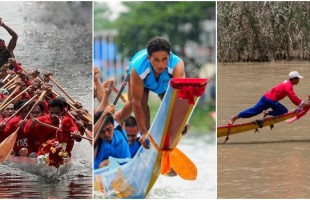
point(130, 122)
point(109, 117)
point(19, 104)
point(158, 44)
point(63, 99)
point(56, 103)
point(40, 104)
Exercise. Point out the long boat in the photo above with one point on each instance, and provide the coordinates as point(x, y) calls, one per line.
point(32, 166)
point(227, 130)
point(136, 177)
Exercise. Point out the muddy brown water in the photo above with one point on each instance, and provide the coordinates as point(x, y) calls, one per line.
point(55, 37)
point(271, 163)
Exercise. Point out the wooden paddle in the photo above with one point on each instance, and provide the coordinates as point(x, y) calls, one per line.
point(10, 81)
point(53, 80)
point(8, 97)
point(20, 108)
point(115, 90)
point(87, 115)
point(14, 98)
point(103, 120)
point(7, 145)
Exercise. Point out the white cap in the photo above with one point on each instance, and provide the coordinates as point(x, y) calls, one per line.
point(294, 74)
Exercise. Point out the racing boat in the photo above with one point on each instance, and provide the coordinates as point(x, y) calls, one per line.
point(134, 178)
point(290, 117)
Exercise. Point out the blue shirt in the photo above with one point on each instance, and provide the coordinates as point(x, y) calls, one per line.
point(134, 148)
point(144, 69)
point(117, 148)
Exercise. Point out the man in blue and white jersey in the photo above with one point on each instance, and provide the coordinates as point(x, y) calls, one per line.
point(150, 70)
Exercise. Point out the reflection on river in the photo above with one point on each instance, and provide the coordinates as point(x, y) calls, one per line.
point(55, 37)
point(268, 164)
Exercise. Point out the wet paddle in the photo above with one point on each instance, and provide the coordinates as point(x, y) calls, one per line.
point(103, 120)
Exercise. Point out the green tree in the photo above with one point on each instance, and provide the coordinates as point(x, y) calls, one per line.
point(178, 21)
point(101, 16)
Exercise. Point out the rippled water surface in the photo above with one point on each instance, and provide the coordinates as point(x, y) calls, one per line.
point(268, 164)
point(55, 37)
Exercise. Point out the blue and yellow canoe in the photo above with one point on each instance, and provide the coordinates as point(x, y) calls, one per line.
point(136, 177)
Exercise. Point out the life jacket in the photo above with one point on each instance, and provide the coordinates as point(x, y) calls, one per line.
point(4, 57)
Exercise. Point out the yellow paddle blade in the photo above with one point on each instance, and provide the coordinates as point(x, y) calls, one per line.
point(182, 165)
point(7, 145)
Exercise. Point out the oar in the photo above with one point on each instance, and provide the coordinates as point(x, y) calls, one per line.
point(87, 115)
point(52, 79)
point(7, 145)
point(55, 128)
point(21, 108)
point(15, 98)
point(8, 97)
point(115, 90)
point(5, 78)
point(10, 81)
point(114, 103)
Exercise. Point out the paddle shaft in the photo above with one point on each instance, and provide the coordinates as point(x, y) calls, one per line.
point(14, 98)
point(51, 78)
point(114, 103)
point(21, 108)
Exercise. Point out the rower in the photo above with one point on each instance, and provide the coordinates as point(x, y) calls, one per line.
point(150, 69)
point(6, 52)
point(271, 100)
point(132, 131)
point(111, 142)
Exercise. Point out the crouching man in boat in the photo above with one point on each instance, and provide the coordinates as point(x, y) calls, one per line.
point(54, 131)
point(6, 52)
point(150, 69)
point(111, 142)
point(271, 99)
point(132, 131)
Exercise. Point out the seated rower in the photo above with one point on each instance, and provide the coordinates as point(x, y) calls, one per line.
point(111, 142)
point(66, 131)
point(21, 144)
point(33, 142)
point(132, 131)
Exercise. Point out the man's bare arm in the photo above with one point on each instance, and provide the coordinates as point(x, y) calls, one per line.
point(179, 70)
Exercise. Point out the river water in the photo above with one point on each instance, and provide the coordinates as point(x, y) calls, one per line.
point(268, 164)
point(55, 37)
point(201, 149)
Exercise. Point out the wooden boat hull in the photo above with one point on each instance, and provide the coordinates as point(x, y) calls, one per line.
point(239, 128)
point(136, 178)
point(32, 166)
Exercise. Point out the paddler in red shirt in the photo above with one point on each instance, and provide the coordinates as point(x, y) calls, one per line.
point(67, 129)
point(21, 144)
point(271, 99)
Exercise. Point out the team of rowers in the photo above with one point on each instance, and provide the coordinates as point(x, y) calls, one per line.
point(46, 123)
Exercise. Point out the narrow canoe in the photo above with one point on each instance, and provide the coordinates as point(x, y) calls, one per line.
point(239, 128)
point(136, 178)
